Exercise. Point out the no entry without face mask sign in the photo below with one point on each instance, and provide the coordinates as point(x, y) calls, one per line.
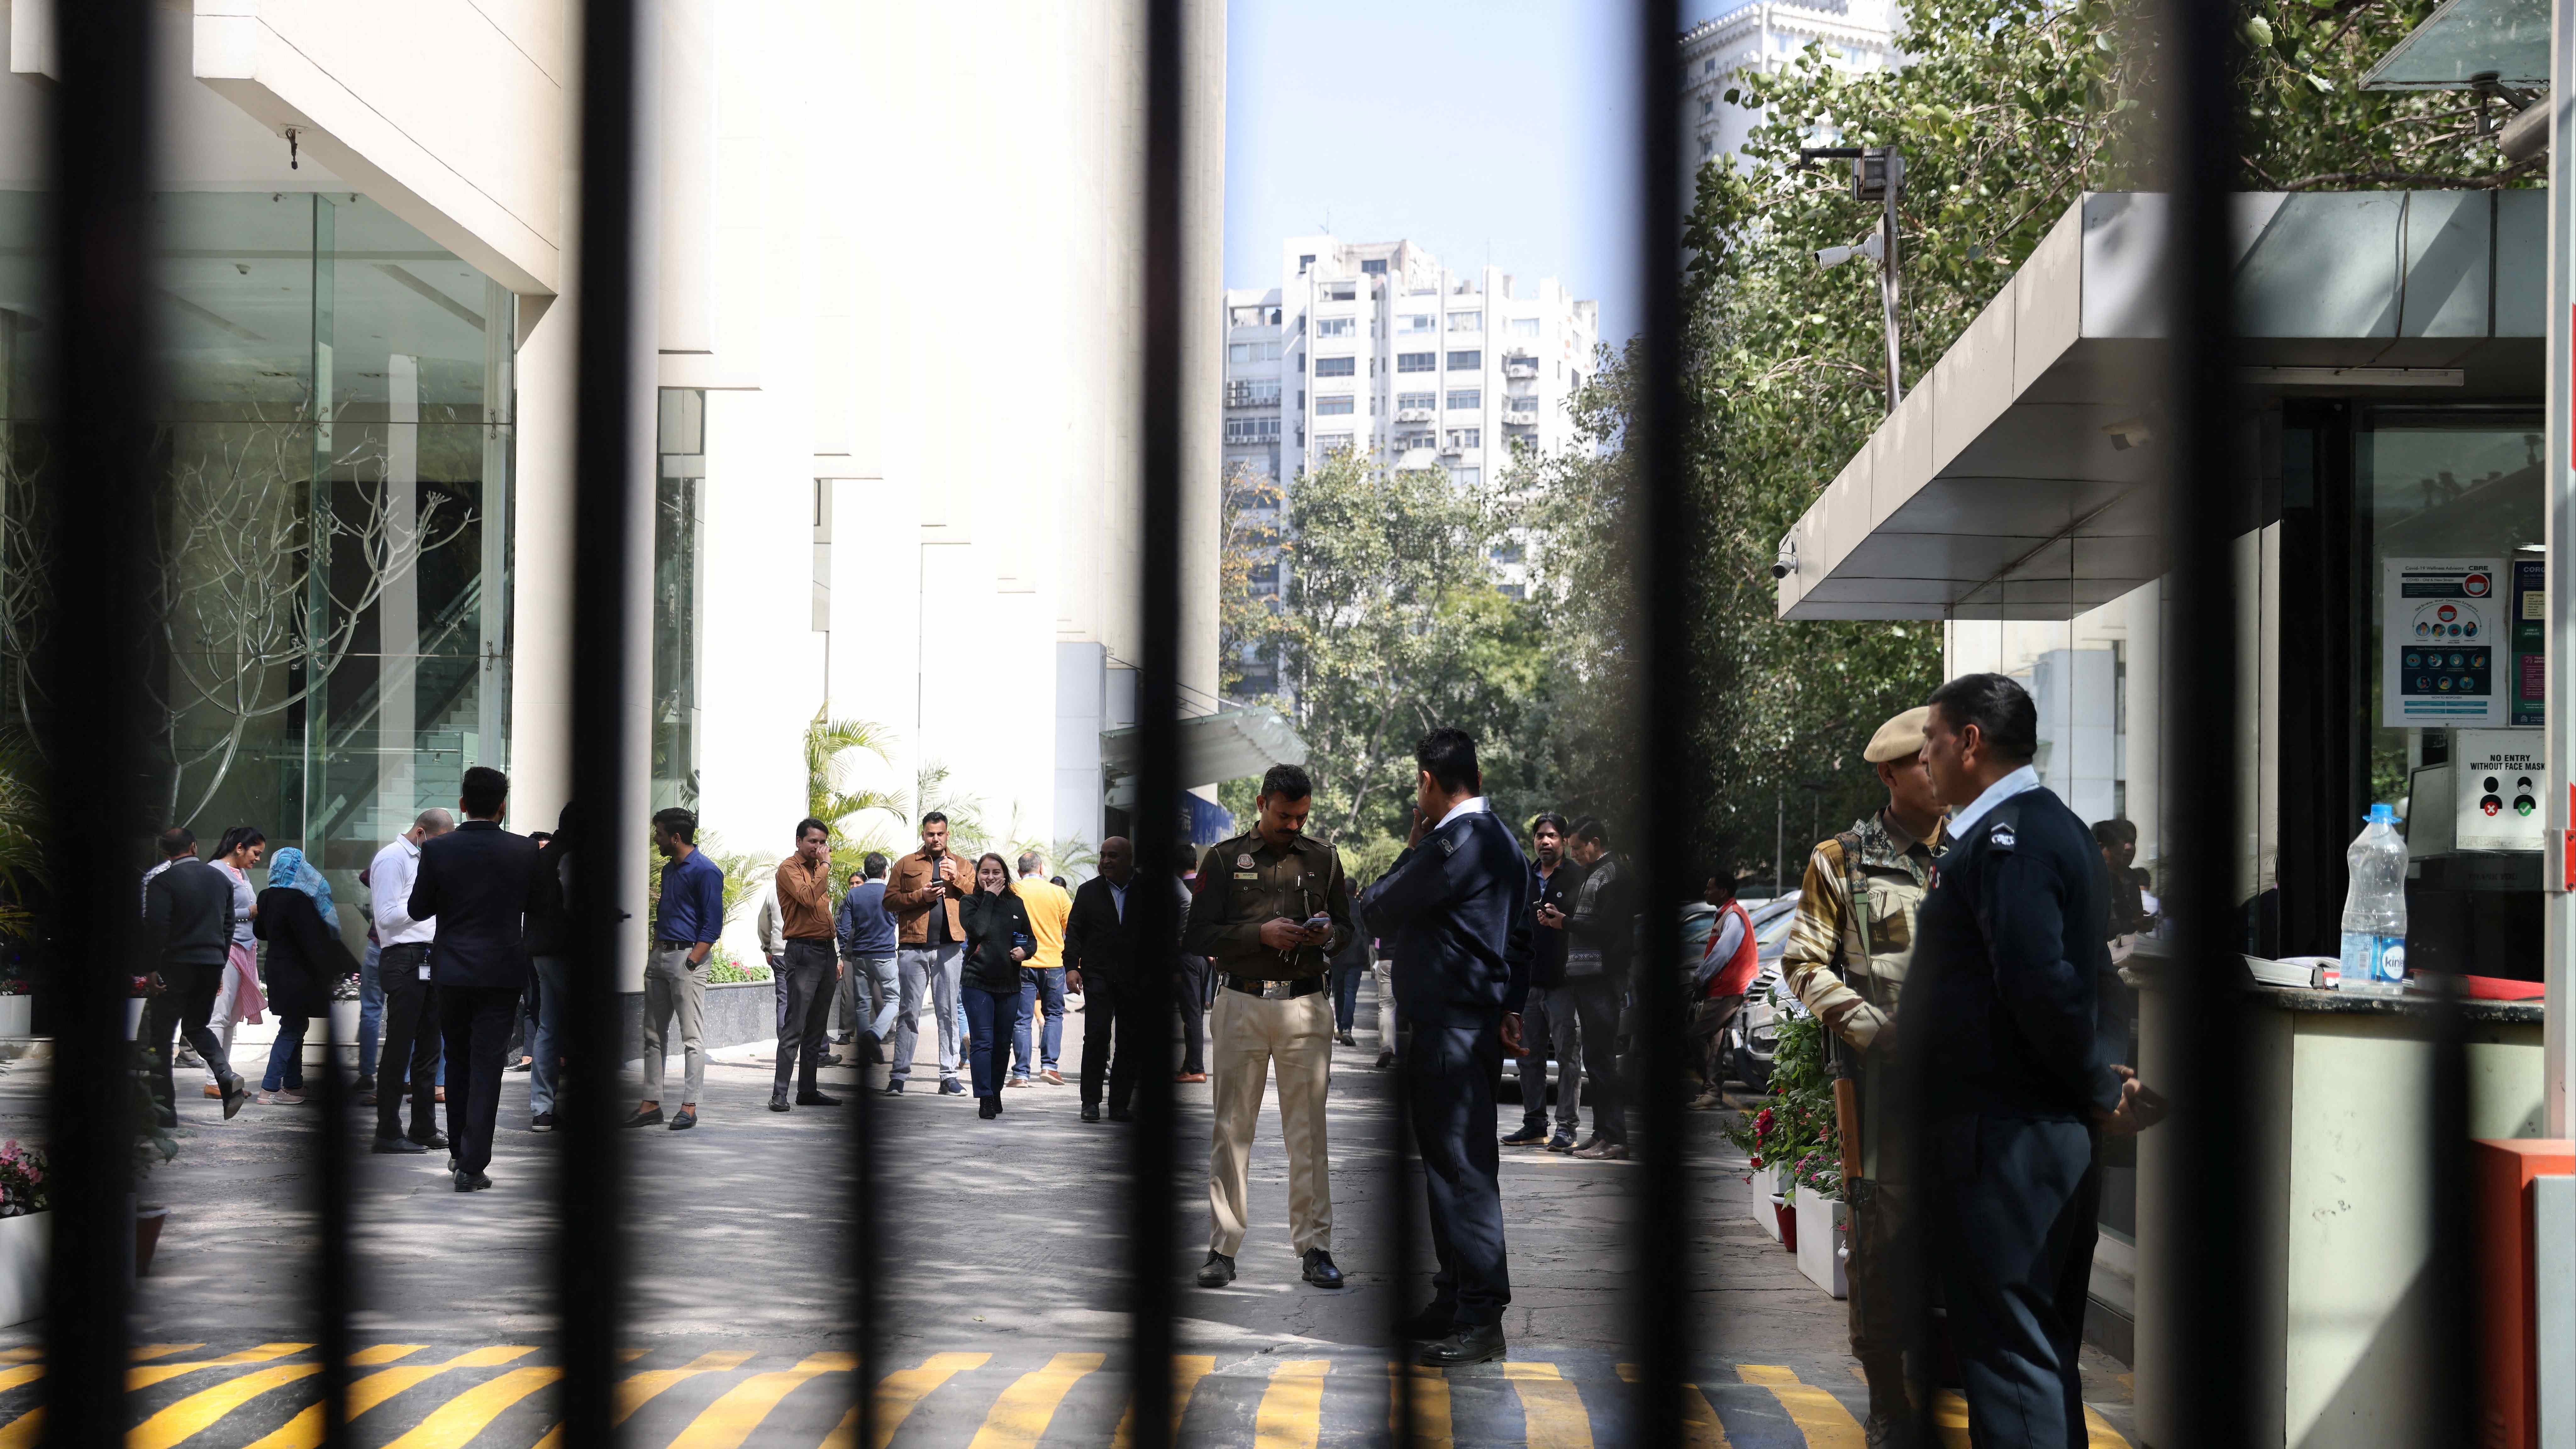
point(2443, 634)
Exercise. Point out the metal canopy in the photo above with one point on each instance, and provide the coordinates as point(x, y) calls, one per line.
point(1227, 745)
point(2465, 39)
point(2018, 479)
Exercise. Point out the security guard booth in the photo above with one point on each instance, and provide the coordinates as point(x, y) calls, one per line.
point(2392, 569)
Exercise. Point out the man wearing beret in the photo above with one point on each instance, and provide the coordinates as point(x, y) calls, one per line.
point(1846, 957)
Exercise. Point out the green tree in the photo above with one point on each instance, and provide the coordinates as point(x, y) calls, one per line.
point(1390, 627)
point(2007, 110)
point(1250, 541)
point(830, 745)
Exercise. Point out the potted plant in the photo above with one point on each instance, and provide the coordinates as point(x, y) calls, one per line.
point(344, 1013)
point(1795, 1139)
point(26, 1230)
point(139, 990)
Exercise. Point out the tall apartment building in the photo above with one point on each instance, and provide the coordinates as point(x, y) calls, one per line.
point(1760, 37)
point(1375, 347)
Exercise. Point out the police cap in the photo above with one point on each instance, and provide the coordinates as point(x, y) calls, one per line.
point(1899, 737)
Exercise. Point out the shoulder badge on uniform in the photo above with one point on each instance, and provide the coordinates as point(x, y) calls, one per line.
point(1448, 845)
point(2000, 836)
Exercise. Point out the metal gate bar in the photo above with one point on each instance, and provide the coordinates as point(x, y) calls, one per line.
point(2206, 1311)
point(1151, 1236)
point(1668, 604)
point(101, 479)
point(609, 534)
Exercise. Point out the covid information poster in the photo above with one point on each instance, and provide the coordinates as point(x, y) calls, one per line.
point(2530, 642)
point(2443, 634)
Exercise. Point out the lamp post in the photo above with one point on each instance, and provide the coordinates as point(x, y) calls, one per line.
point(1878, 174)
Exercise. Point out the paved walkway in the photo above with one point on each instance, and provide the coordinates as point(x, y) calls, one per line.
point(1002, 1290)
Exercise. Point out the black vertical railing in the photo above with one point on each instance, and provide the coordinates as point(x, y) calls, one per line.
point(591, 1181)
point(2206, 1308)
point(1669, 836)
point(1151, 1238)
point(99, 475)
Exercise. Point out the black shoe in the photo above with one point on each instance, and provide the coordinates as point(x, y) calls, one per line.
point(1217, 1271)
point(1385, 1059)
point(1465, 1345)
point(952, 1088)
point(542, 1122)
point(892, 1089)
point(841, 1038)
point(169, 1120)
point(988, 1108)
point(642, 1117)
point(1530, 1135)
point(816, 1099)
point(831, 1059)
point(1320, 1270)
point(464, 1183)
point(687, 1119)
point(471, 1181)
point(873, 1049)
point(1121, 1114)
point(1561, 1142)
point(778, 1104)
point(1434, 1322)
point(433, 1141)
point(521, 1066)
point(400, 1146)
point(1091, 1111)
point(234, 1095)
point(1344, 1038)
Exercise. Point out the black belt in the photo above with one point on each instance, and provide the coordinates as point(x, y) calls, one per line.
point(675, 945)
point(1287, 990)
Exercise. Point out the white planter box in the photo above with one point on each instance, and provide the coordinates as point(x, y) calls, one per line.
point(134, 1017)
point(1821, 1220)
point(17, 1015)
point(24, 1241)
point(1767, 1182)
point(344, 1024)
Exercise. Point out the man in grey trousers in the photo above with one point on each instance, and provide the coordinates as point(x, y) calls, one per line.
point(922, 896)
point(868, 945)
point(808, 968)
point(686, 923)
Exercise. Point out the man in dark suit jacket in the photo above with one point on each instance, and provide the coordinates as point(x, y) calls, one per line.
point(1456, 906)
point(1122, 996)
point(2015, 1063)
point(482, 883)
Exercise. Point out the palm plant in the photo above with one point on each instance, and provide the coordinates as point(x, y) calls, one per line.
point(829, 797)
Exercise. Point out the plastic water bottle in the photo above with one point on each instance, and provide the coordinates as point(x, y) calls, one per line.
point(2374, 910)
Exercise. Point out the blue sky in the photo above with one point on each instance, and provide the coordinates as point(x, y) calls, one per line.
point(1499, 129)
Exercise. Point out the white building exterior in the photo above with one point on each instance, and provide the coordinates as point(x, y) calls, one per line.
point(1761, 37)
point(847, 527)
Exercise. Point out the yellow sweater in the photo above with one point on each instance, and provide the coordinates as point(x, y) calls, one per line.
point(1048, 906)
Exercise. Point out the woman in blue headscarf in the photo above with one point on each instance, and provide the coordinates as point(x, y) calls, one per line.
point(305, 959)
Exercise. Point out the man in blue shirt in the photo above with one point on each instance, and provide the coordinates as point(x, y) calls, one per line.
point(1456, 905)
point(868, 944)
point(685, 926)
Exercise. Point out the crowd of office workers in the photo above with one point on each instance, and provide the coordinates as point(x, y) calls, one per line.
point(1974, 893)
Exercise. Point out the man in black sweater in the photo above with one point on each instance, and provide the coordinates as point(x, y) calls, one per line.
point(2014, 1059)
point(1456, 904)
point(188, 923)
point(482, 883)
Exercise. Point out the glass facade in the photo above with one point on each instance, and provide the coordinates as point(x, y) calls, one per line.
point(335, 531)
point(679, 616)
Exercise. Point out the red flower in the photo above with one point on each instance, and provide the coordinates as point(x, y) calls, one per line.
point(1762, 1123)
point(1757, 1162)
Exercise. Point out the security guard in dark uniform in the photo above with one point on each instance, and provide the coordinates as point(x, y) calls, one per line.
point(2007, 1026)
point(1270, 910)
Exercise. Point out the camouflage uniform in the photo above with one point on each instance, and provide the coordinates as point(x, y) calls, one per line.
point(1846, 966)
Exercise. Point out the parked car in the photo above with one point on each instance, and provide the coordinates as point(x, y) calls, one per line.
point(1752, 1036)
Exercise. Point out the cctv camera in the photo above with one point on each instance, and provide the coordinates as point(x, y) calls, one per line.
point(1787, 563)
point(1832, 257)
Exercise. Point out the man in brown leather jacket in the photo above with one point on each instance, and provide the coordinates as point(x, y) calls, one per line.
point(922, 891)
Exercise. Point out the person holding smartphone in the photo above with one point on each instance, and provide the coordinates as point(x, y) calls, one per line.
point(1270, 909)
point(923, 895)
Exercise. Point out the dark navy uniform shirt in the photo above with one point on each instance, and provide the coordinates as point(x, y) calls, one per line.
point(2010, 994)
point(1457, 909)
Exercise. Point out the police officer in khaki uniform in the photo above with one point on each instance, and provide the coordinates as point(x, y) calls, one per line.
point(1270, 909)
point(1846, 957)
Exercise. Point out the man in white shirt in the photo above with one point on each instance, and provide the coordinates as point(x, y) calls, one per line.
point(403, 969)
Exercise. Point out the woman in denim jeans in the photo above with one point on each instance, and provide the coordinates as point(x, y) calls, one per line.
point(305, 959)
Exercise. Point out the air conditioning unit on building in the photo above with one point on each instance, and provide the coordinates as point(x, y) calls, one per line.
point(1413, 415)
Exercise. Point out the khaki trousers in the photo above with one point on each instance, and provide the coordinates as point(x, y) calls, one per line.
point(1248, 1036)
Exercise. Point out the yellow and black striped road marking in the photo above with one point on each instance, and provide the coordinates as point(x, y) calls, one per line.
point(499, 1396)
